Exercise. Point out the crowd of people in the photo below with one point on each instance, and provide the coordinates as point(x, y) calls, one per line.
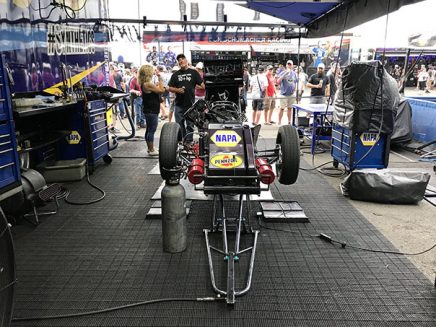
point(424, 74)
point(155, 91)
point(426, 78)
point(282, 86)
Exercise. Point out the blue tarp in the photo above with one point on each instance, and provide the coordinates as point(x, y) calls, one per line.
point(327, 18)
point(300, 13)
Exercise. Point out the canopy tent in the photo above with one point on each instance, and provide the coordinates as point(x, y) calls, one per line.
point(327, 17)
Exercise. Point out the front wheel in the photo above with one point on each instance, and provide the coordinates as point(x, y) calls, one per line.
point(288, 163)
point(170, 136)
point(107, 159)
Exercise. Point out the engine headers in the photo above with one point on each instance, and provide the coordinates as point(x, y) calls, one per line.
point(265, 171)
point(196, 171)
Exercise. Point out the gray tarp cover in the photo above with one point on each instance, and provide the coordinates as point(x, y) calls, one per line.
point(386, 185)
point(358, 100)
point(403, 124)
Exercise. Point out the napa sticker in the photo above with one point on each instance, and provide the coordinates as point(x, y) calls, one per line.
point(73, 138)
point(369, 139)
point(225, 138)
point(226, 161)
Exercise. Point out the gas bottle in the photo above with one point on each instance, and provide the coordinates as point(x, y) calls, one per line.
point(174, 229)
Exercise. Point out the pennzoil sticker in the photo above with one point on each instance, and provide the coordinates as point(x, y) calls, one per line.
point(369, 139)
point(225, 138)
point(226, 161)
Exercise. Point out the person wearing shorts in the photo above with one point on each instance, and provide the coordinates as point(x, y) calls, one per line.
point(270, 101)
point(258, 85)
point(287, 80)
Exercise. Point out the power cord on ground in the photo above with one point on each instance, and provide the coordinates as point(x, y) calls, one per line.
point(328, 171)
point(66, 193)
point(329, 239)
point(132, 305)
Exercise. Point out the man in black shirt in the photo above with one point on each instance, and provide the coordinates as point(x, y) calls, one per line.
point(183, 83)
point(319, 85)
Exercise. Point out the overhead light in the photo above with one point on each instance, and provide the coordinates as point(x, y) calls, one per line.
point(182, 9)
point(194, 10)
point(220, 12)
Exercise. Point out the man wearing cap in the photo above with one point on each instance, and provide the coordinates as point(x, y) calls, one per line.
point(287, 80)
point(258, 86)
point(319, 85)
point(183, 83)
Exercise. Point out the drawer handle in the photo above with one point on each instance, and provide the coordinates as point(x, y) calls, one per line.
point(98, 138)
point(101, 145)
point(98, 122)
point(7, 150)
point(7, 165)
point(99, 130)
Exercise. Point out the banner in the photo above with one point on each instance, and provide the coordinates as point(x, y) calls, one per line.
point(35, 52)
point(213, 35)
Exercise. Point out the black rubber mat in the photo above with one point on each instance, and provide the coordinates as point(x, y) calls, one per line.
point(104, 255)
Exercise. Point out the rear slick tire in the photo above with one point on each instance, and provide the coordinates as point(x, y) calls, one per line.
point(288, 163)
point(170, 136)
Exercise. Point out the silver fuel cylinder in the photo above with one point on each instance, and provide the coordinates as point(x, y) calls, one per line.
point(174, 229)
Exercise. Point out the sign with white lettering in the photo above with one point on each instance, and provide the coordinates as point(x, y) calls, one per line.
point(225, 138)
point(69, 40)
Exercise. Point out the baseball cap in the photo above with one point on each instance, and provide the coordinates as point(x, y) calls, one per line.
point(199, 65)
point(321, 65)
point(270, 67)
point(289, 62)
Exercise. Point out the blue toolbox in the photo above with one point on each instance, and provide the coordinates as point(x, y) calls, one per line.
point(98, 131)
point(89, 137)
point(359, 150)
point(10, 177)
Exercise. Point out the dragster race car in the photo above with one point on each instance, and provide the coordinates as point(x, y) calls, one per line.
point(225, 161)
point(225, 157)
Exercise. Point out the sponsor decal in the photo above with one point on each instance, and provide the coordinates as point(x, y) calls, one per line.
point(69, 40)
point(226, 161)
point(73, 138)
point(225, 138)
point(369, 139)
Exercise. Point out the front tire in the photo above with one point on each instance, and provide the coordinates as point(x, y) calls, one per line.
point(170, 136)
point(107, 159)
point(288, 163)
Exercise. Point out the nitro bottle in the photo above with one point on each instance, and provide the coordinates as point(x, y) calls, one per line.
point(174, 229)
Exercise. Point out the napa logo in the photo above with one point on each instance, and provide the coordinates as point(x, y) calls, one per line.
point(369, 139)
point(226, 161)
point(224, 138)
point(73, 138)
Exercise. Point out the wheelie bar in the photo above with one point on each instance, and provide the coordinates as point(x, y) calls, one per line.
point(231, 256)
